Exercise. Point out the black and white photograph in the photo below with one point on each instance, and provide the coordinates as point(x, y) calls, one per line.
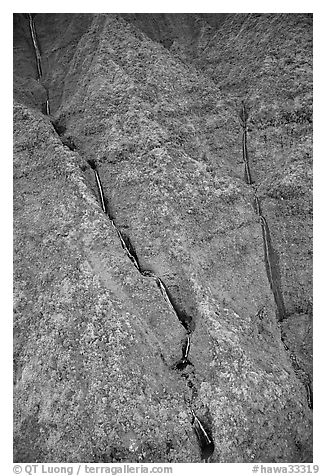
point(162, 241)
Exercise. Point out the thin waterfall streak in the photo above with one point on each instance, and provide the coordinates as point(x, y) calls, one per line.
point(99, 186)
point(47, 106)
point(244, 146)
point(162, 288)
point(204, 433)
point(245, 158)
point(205, 442)
point(248, 175)
point(267, 249)
point(123, 243)
point(33, 35)
point(264, 228)
point(132, 258)
point(36, 48)
point(187, 348)
point(120, 237)
point(125, 247)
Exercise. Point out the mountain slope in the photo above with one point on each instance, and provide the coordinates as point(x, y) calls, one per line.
point(96, 342)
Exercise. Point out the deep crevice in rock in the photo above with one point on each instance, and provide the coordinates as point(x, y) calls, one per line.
point(66, 140)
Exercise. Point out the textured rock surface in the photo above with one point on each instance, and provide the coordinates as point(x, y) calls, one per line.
point(154, 100)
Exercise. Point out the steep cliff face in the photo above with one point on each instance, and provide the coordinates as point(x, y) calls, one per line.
point(96, 344)
point(266, 60)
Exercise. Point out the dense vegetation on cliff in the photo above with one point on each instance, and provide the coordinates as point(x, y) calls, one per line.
point(154, 100)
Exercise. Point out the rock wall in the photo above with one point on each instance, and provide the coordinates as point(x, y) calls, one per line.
point(96, 343)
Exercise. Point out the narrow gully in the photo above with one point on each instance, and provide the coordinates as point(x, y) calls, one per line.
point(271, 267)
point(270, 264)
point(204, 438)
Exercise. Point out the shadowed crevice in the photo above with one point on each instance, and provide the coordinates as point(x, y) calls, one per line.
point(60, 130)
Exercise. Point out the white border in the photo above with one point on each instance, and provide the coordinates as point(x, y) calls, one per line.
point(319, 196)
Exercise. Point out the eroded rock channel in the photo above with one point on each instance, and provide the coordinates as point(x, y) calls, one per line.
point(126, 153)
point(204, 437)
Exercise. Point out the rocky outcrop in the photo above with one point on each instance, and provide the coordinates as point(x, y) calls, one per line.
point(97, 343)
